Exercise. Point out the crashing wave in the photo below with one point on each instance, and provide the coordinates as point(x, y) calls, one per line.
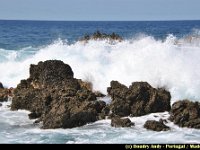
point(161, 63)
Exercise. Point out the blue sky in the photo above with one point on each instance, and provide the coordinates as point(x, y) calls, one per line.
point(100, 9)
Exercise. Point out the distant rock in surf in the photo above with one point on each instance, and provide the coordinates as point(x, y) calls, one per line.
point(121, 122)
point(137, 100)
point(102, 36)
point(186, 113)
point(156, 125)
point(56, 98)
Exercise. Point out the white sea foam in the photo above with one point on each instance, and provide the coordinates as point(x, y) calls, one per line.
point(172, 63)
point(17, 128)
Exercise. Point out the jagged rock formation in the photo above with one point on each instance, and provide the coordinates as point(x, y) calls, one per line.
point(102, 36)
point(137, 100)
point(186, 113)
point(55, 97)
point(59, 100)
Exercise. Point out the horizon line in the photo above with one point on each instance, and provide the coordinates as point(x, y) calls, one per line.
point(96, 20)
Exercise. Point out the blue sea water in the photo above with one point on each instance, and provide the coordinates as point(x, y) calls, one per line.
point(20, 34)
point(163, 53)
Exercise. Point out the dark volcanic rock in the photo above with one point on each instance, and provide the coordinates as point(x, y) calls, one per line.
point(55, 97)
point(186, 114)
point(33, 115)
point(4, 94)
point(139, 99)
point(1, 86)
point(50, 72)
point(104, 112)
point(102, 36)
point(119, 122)
point(99, 94)
point(156, 125)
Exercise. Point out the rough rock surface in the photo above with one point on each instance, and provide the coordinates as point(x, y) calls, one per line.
point(102, 36)
point(137, 100)
point(119, 122)
point(186, 113)
point(156, 125)
point(4, 93)
point(55, 97)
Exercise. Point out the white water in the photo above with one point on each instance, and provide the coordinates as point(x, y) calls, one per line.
point(17, 128)
point(172, 63)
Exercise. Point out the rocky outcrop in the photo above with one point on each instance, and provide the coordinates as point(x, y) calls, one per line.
point(102, 36)
point(137, 100)
point(156, 125)
point(55, 97)
point(5, 93)
point(186, 113)
point(119, 122)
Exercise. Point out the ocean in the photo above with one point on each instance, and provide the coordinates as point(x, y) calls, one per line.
point(163, 53)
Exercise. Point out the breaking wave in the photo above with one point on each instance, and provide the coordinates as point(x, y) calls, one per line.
point(171, 63)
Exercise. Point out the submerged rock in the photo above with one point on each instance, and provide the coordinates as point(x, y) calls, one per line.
point(0, 104)
point(102, 36)
point(137, 100)
point(186, 113)
point(119, 122)
point(55, 97)
point(156, 125)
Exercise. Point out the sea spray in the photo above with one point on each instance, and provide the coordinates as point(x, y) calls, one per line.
point(171, 63)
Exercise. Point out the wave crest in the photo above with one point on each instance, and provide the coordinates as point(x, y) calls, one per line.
point(170, 64)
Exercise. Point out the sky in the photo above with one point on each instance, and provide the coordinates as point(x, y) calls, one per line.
point(100, 10)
